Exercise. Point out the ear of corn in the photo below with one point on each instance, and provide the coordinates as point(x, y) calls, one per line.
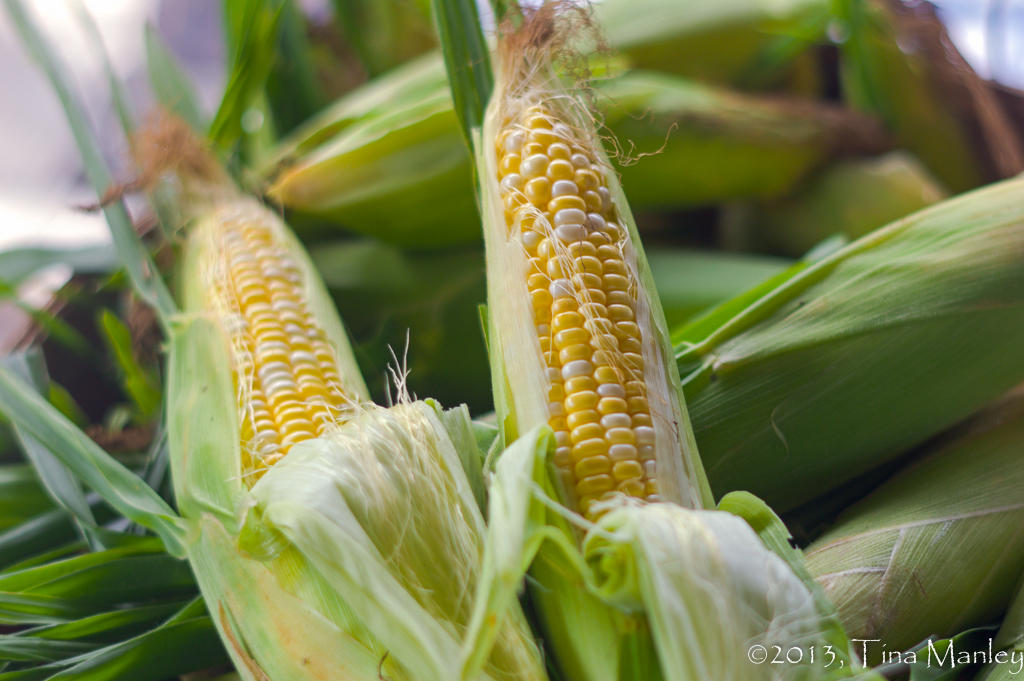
point(381, 174)
point(886, 562)
point(577, 337)
point(331, 538)
point(295, 375)
point(822, 363)
point(653, 586)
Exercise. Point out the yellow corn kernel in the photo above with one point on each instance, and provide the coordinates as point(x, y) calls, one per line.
point(288, 384)
point(583, 293)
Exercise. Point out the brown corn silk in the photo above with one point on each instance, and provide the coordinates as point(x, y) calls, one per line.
point(603, 381)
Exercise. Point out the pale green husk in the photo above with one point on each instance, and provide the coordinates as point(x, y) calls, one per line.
point(359, 554)
point(654, 591)
point(939, 547)
point(850, 198)
point(660, 591)
point(803, 386)
point(381, 172)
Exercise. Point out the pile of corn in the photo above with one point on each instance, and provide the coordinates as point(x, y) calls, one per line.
point(611, 512)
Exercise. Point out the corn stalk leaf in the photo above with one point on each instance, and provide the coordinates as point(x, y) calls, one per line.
point(21, 495)
point(70, 588)
point(250, 31)
point(17, 264)
point(140, 385)
point(184, 643)
point(97, 469)
point(59, 481)
point(132, 253)
point(467, 60)
point(171, 86)
point(38, 534)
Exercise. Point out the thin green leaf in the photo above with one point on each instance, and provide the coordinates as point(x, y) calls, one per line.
point(97, 469)
point(23, 609)
point(248, 73)
point(56, 329)
point(117, 93)
point(109, 627)
point(25, 649)
point(171, 86)
point(58, 551)
point(293, 91)
point(467, 60)
point(167, 651)
point(21, 495)
point(140, 385)
point(141, 269)
point(18, 264)
point(52, 528)
point(58, 480)
point(79, 586)
point(936, 660)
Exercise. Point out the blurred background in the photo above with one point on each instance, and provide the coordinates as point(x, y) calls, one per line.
point(41, 174)
point(45, 199)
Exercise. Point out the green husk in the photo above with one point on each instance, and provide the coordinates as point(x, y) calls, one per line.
point(383, 174)
point(730, 41)
point(651, 33)
point(625, 605)
point(1010, 641)
point(849, 198)
point(382, 292)
point(806, 385)
point(661, 590)
point(21, 495)
point(347, 537)
point(938, 548)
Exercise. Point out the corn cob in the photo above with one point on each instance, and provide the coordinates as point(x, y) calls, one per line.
point(288, 369)
point(274, 448)
point(585, 306)
point(937, 548)
point(563, 269)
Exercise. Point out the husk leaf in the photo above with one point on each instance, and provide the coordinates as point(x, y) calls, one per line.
point(939, 547)
point(780, 392)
